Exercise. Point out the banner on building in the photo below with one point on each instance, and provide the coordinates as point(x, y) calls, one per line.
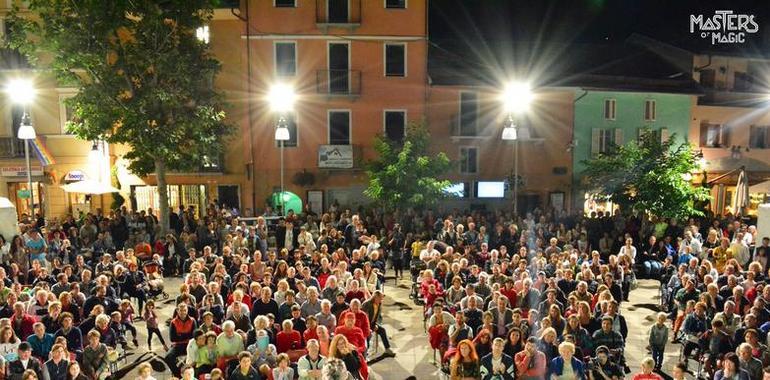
point(335, 156)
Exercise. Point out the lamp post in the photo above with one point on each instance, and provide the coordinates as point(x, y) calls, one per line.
point(22, 92)
point(281, 98)
point(515, 99)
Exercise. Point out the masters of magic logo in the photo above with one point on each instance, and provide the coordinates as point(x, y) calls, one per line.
point(724, 27)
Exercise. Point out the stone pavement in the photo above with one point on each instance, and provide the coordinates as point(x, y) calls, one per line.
point(403, 321)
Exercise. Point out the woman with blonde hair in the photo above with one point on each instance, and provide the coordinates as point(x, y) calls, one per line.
point(465, 364)
point(566, 366)
point(355, 363)
point(548, 344)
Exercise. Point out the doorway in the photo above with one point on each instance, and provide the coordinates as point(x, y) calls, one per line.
point(228, 195)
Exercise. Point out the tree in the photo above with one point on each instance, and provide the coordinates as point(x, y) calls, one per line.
point(648, 176)
point(405, 174)
point(144, 79)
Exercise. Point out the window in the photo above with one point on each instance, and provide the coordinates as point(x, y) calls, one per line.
point(395, 4)
point(285, 59)
point(708, 78)
point(395, 125)
point(65, 112)
point(605, 140)
point(17, 113)
point(758, 137)
point(468, 114)
point(339, 127)
point(741, 81)
point(713, 136)
point(285, 4)
point(649, 110)
point(202, 33)
point(395, 60)
point(292, 142)
point(468, 160)
point(609, 109)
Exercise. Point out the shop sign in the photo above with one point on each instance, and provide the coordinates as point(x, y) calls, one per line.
point(19, 171)
point(75, 176)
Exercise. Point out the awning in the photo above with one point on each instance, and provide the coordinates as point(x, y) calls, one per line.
point(89, 187)
point(762, 187)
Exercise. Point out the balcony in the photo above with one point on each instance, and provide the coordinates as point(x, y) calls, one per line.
point(338, 14)
point(340, 157)
point(338, 82)
point(11, 147)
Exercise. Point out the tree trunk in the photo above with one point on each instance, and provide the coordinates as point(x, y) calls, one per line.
point(160, 175)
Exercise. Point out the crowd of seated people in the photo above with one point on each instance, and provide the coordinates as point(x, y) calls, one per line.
point(528, 297)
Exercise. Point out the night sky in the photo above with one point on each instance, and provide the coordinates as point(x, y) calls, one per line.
point(587, 21)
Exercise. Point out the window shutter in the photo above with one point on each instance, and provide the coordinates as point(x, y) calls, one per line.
point(767, 137)
point(664, 135)
point(724, 138)
point(704, 127)
point(595, 140)
point(618, 137)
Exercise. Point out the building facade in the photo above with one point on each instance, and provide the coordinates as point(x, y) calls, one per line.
point(606, 118)
point(359, 70)
point(731, 126)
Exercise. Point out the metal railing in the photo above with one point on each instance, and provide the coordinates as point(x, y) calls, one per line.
point(11, 147)
point(338, 12)
point(338, 82)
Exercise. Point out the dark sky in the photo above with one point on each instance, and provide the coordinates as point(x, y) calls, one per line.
point(587, 21)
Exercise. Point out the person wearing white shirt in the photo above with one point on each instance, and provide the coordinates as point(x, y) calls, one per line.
point(690, 241)
point(740, 250)
point(193, 346)
point(629, 250)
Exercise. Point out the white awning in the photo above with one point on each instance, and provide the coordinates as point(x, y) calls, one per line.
point(762, 187)
point(88, 186)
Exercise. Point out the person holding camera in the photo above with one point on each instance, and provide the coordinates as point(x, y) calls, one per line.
point(602, 368)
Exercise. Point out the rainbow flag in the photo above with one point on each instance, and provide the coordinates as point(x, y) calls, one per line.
point(42, 152)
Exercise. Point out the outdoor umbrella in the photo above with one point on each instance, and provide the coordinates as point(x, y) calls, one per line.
point(741, 193)
point(88, 186)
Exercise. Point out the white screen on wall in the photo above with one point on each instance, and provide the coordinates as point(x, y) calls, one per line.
point(490, 189)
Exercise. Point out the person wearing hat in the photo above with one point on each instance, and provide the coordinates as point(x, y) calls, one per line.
point(25, 362)
point(602, 367)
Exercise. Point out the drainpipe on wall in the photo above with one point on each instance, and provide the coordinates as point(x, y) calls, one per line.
point(249, 91)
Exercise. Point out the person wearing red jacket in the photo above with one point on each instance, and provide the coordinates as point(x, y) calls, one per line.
point(288, 339)
point(310, 331)
point(181, 331)
point(427, 281)
point(21, 322)
point(530, 363)
point(362, 320)
point(352, 332)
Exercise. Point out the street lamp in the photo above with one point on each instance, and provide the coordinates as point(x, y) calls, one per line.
point(22, 92)
point(281, 98)
point(516, 98)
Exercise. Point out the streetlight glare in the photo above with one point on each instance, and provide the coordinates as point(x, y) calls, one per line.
point(516, 97)
point(21, 91)
point(281, 97)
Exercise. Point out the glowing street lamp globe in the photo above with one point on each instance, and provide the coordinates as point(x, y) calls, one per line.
point(516, 97)
point(281, 97)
